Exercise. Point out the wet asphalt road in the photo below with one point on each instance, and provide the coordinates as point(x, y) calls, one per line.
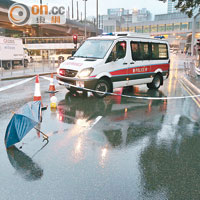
point(112, 148)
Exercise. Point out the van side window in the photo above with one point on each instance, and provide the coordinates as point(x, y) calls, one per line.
point(145, 51)
point(118, 52)
point(163, 53)
point(140, 51)
point(135, 51)
point(159, 51)
point(155, 51)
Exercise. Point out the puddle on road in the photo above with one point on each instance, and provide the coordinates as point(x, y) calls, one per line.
point(138, 148)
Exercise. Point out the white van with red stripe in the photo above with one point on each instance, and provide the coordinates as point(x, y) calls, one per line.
point(123, 59)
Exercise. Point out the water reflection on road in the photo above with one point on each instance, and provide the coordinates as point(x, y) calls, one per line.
point(113, 148)
point(24, 165)
point(166, 131)
point(123, 122)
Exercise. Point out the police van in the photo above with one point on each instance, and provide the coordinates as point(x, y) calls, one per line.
point(111, 61)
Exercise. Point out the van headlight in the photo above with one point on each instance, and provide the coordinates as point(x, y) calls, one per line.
point(85, 72)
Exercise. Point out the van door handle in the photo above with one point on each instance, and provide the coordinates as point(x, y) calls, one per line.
point(132, 63)
point(125, 63)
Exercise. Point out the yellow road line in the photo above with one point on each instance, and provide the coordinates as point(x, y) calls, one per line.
point(190, 92)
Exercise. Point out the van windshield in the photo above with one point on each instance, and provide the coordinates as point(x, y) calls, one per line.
point(94, 49)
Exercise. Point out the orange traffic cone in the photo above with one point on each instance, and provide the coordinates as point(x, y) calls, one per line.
point(37, 94)
point(52, 88)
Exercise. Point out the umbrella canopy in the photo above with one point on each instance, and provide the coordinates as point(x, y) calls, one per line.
point(22, 122)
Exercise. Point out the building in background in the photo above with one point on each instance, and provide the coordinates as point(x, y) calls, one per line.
point(176, 27)
point(120, 17)
point(144, 15)
point(170, 16)
point(171, 6)
point(117, 12)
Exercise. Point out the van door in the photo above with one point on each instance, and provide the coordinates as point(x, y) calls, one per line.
point(117, 63)
point(139, 70)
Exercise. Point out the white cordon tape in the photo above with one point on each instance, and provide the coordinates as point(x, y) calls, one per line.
point(16, 84)
point(197, 71)
point(128, 96)
point(46, 78)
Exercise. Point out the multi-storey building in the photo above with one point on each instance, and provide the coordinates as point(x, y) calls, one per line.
point(119, 17)
point(171, 6)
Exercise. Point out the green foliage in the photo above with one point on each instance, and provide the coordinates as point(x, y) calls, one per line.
point(187, 6)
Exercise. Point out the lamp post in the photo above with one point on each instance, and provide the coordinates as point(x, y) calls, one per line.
point(97, 15)
point(72, 9)
point(85, 20)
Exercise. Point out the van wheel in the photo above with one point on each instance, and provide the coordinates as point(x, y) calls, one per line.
point(102, 86)
point(156, 83)
point(72, 90)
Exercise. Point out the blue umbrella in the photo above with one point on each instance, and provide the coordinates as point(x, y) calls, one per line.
point(26, 118)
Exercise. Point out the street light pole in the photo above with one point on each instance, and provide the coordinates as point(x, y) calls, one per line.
point(72, 9)
point(85, 20)
point(97, 15)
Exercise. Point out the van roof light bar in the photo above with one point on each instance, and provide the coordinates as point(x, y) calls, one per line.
point(108, 34)
point(160, 37)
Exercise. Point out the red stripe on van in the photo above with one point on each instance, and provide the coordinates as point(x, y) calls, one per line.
point(119, 72)
point(143, 69)
point(138, 70)
point(164, 67)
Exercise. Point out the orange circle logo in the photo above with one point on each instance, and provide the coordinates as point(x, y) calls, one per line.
point(19, 14)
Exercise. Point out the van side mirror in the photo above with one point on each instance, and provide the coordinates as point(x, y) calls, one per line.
point(73, 52)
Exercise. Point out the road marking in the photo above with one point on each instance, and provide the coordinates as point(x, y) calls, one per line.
point(15, 84)
point(189, 91)
point(192, 85)
point(96, 121)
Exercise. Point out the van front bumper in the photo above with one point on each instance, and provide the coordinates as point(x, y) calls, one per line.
point(81, 83)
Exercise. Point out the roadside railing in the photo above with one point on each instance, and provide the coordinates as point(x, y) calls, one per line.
point(192, 68)
point(38, 65)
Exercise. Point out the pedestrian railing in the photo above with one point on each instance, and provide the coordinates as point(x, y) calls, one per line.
point(192, 68)
point(36, 65)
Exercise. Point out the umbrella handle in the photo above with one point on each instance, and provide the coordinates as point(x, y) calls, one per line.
point(44, 135)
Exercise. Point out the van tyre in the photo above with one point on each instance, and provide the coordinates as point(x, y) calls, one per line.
point(156, 83)
point(103, 86)
point(72, 90)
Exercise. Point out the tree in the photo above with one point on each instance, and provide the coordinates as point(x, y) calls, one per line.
point(187, 6)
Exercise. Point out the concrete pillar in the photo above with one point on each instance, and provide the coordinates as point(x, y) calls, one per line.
point(193, 34)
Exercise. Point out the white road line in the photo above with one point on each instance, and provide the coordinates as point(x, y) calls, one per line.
point(191, 84)
point(95, 122)
point(16, 84)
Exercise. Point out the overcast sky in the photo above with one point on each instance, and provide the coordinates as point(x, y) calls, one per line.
point(155, 6)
